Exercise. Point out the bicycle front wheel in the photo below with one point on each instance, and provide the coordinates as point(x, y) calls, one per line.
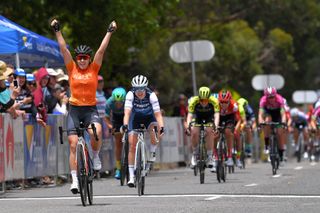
point(81, 173)
point(202, 162)
point(90, 178)
point(139, 169)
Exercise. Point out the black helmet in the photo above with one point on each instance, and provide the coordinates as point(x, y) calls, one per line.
point(83, 50)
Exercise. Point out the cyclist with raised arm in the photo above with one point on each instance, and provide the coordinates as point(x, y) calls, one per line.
point(114, 117)
point(299, 119)
point(315, 120)
point(247, 114)
point(141, 107)
point(230, 115)
point(271, 109)
point(83, 79)
point(203, 107)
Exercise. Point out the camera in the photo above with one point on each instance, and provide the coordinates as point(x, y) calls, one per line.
point(15, 83)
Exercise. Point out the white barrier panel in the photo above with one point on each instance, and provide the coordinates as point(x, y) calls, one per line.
point(169, 151)
point(13, 148)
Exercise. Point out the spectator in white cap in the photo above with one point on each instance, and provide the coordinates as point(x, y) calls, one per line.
point(61, 107)
point(50, 100)
point(63, 80)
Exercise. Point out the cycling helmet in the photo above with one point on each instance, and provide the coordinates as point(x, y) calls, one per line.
point(242, 102)
point(204, 92)
point(270, 91)
point(119, 94)
point(294, 112)
point(83, 50)
point(139, 81)
point(224, 96)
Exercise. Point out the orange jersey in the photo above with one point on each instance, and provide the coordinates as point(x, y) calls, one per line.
point(83, 84)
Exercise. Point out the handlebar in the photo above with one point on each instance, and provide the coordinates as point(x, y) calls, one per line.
point(78, 130)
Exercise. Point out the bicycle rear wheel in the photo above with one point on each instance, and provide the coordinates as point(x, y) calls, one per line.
point(139, 169)
point(81, 173)
point(124, 173)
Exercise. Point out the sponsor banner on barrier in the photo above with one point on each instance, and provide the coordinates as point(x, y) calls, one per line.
point(169, 151)
point(2, 175)
point(63, 149)
point(13, 147)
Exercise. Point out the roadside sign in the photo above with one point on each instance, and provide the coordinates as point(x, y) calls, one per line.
point(304, 96)
point(259, 82)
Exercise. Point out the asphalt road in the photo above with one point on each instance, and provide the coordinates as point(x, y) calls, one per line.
point(296, 188)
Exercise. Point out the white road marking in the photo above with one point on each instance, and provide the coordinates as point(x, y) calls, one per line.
point(212, 198)
point(313, 163)
point(209, 197)
point(298, 168)
point(252, 184)
point(276, 176)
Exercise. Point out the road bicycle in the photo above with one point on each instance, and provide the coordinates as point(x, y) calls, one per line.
point(85, 172)
point(202, 151)
point(141, 165)
point(274, 146)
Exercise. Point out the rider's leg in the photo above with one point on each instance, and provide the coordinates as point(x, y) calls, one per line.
point(282, 141)
point(118, 149)
point(229, 139)
point(267, 131)
point(73, 140)
point(209, 144)
point(295, 138)
point(133, 138)
point(248, 145)
point(96, 145)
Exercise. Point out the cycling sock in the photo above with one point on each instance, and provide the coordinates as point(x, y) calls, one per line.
point(74, 175)
point(281, 154)
point(95, 154)
point(266, 140)
point(131, 171)
point(153, 148)
point(209, 153)
point(118, 164)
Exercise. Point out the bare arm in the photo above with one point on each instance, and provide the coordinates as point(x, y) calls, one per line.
point(159, 118)
point(104, 44)
point(127, 113)
point(67, 57)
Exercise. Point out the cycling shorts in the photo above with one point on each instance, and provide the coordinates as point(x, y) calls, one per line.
point(86, 114)
point(274, 113)
point(228, 120)
point(135, 122)
point(117, 122)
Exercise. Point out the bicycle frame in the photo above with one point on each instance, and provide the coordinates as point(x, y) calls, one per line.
point(143, 152)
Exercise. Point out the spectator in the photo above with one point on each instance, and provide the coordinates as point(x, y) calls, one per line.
point(32, 86)
point(63, 80)
point(181, 109)
point(61, 107)
point(25, 98)
point(7, 100)
point(42, 79)
point(48, 97)
point(9, 74)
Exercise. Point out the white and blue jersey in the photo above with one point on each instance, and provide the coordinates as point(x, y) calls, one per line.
point(142, 110)
point(301, 119)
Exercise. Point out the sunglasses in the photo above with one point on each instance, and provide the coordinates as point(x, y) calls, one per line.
point(139, 89)
point(82, 57)
point(11, 75)
point(32, 83)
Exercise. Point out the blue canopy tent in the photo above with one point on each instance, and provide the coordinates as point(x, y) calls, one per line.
point(24, 48)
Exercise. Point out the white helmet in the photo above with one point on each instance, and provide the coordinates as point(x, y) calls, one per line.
point(294, 112)
point(139, 81)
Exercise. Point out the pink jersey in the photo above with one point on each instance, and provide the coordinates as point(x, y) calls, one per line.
point(278, 103)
